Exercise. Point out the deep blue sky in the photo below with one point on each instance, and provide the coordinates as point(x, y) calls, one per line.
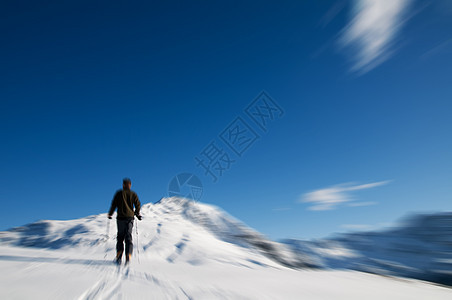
point(94, 91)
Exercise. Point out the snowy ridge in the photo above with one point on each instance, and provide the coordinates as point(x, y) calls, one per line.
point(231, 230)
point(420, 248)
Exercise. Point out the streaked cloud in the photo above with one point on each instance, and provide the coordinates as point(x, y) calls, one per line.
point(334, 10)
point(444, 47)
point(368, 203)
point(331, 197)
point(369, 227)
point(372, 31)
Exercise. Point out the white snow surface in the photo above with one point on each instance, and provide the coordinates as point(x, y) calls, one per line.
point(183, 250)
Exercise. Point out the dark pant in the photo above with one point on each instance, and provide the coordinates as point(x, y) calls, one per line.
point(124, 233)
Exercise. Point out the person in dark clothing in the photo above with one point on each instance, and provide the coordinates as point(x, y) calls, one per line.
point(124, 201)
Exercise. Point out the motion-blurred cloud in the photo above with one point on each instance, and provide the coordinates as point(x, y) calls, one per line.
point(372, 30)
point(329, 198)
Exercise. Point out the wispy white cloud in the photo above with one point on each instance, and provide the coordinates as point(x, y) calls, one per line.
point(372, 30)
point(334, 10)
point(443, 48)
point(367, 203)
point(330, 197)
point(368, 227)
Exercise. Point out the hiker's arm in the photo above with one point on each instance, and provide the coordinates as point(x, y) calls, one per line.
point(137, 204)
point(112, 207)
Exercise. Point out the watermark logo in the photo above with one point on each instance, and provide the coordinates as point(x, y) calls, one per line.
point(231, 143)
point(214, 160)
point(264, 110)
point(239, 136)
point(185, 185)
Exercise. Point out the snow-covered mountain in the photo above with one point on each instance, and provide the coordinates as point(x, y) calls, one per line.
point(421, 248)
point(183, 250)
point(182, 222)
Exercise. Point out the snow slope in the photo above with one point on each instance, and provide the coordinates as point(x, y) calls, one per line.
point(184, 250)
point(420, 248)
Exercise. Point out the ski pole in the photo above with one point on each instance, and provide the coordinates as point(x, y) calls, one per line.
point(138, 246)
point(107, 238)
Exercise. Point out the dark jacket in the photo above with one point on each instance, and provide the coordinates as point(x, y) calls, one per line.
point(124, 201)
